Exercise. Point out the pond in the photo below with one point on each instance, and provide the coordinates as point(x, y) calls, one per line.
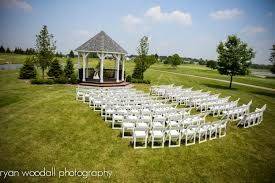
point(262, 73)
point(10, 66)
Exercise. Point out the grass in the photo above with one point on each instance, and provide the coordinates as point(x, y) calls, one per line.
point(204, 71)
point(43, 126)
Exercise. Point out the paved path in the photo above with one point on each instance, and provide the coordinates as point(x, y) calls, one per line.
point(221, 80)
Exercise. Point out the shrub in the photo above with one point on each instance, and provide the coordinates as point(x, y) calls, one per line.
point(211, 64)
point(55, 69)
point(42, 81)
point(74, 79)
point(129, 78)
point(28, 70)
point(166, 61)
point(61, 80)
point(140, 81)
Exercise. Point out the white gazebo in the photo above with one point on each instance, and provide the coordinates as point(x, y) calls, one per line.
point(103, 46)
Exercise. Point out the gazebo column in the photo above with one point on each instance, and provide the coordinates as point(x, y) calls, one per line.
point(117, 56)
point(87, 65)
point(122, 76)
point(101, 57)
point(84, 55)
point(78, 64)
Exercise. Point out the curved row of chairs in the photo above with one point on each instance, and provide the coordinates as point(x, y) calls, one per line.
point(212, 104)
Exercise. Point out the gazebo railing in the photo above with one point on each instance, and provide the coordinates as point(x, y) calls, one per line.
point(108, 74)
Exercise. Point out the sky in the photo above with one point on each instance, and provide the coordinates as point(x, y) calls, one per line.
point(191, 28)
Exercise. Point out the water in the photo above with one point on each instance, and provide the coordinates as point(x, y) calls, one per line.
point(10, 66)
point(262, 73)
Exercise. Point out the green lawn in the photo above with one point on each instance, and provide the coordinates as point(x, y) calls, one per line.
point(46, 126)
point(205, 71)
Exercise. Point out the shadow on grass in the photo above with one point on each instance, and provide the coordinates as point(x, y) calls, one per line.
point(216, 86)
point(268, 94)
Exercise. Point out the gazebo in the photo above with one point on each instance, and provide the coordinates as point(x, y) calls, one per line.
point(104, 47)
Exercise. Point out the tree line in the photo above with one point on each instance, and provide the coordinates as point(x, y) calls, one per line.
point(17, 50)
point(28, 51)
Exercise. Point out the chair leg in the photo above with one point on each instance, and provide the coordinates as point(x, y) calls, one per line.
point(191, 143)
point(123, 130)
point(220, 132)
point(205, 136)
point(211, 136)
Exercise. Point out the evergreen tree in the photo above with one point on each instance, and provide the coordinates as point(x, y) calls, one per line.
point(28, 71)
point(69, 69)
point(8, 50)
point(234, 57)
point(45, 48)
point(55, 69)
point(2, 49)
point(71, 54)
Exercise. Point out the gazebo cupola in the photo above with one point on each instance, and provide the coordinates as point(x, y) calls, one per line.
point(103, 46)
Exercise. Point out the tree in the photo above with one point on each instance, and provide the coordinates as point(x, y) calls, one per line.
point(143, 62)
point(272, 59)
point(71, 54)
point(28, 71)
point(69, 69)
point(45, 49)
point(2, 49)
point(8, 50)
point(143, 47)
point(234, 57)
point(156, 56)
point(211, 64)
point(174, 60)
point(55, 69)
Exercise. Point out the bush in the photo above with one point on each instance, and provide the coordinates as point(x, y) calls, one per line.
point(55, 69)
point(129, 78)
point(61, 80)
point(42, 81)
point(140, 81)
point(211, 64)
point(166, 61)
point(74, 79)
point(28, 70)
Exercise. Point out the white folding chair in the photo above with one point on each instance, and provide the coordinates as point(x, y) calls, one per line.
point(140, 136)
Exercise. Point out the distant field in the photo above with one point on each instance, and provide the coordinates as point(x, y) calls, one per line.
point(204, 71)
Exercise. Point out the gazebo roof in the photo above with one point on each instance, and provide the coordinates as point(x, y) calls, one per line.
point(101, 42)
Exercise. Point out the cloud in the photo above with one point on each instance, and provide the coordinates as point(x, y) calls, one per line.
point(156, 14)
point(21, 4)
point(82, 33)
point(131, 22)
point(226, 14)
point(252, 30)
